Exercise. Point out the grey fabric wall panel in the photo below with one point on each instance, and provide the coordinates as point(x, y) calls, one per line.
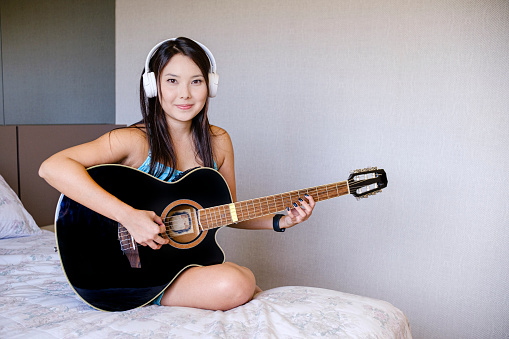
point(58, 61)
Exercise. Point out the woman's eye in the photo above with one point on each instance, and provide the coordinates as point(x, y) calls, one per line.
point(172, 81)
point(197, 81)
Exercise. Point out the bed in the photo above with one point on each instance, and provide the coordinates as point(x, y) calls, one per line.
point(37, 302)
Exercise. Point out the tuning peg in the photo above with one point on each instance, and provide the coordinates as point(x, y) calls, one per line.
point(367, 169)
point(367, 195)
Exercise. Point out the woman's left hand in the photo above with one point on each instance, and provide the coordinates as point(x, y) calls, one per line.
point(298, 213)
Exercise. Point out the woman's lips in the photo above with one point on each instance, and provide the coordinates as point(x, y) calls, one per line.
point(184, 107)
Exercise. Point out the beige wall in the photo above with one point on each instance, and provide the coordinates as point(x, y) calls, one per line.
point(310, 90)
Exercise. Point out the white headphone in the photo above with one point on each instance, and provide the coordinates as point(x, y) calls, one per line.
point(149, 78)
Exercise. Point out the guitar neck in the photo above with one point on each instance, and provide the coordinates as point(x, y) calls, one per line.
point(228, 214)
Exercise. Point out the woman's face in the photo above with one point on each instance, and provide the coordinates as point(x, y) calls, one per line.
point(183, 89)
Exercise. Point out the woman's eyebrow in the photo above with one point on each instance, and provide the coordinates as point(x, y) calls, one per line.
point(177, 76)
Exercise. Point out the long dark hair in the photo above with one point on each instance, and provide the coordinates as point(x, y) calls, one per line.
point(161, 146)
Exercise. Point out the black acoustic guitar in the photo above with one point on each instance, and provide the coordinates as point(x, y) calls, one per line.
point(107, 269)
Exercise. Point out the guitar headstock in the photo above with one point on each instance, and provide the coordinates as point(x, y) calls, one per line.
point(365, 182)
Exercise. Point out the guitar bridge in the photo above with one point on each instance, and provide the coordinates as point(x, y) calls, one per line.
point(129, 246)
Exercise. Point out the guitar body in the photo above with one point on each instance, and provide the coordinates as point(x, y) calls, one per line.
point(89, 246)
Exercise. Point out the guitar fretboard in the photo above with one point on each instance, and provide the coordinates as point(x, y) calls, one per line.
point(228, 214)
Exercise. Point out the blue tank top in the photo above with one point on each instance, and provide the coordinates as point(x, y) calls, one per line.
point(165, 175)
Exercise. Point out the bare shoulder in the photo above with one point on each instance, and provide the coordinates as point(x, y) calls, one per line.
point(221, 140)
point(217, 131)
point(126, 146)
point(132, 142)
point(130, 134)
point(222, 145)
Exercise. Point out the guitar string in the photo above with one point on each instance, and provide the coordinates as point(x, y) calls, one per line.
point(325, 189)
point(270, 205)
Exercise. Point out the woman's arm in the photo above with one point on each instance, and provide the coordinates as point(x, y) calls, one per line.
point(224, 152)
point(66, 171)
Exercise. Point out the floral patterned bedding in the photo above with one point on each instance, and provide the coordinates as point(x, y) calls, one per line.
point(37, 302)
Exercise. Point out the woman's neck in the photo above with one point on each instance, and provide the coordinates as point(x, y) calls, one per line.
point(179, 129)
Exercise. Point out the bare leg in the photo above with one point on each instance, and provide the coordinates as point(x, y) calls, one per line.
point(257, 291)
point(217, 287)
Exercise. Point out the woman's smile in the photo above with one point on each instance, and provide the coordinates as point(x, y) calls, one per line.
point(184, 107)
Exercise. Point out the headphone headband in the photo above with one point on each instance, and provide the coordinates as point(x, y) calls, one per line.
point(149, 81)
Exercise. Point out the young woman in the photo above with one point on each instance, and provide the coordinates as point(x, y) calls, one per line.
point(173, 136)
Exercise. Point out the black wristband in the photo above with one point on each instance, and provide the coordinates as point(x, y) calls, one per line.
point(275, 223)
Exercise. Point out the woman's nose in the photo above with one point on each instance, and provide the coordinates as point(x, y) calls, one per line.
point(184, 92)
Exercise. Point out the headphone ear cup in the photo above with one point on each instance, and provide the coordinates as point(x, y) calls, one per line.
point(149, 84)
point(213, 84)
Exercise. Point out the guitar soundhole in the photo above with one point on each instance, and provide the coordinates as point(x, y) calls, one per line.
point(182, 226)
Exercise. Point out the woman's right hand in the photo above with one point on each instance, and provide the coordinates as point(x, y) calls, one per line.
point(146, 228)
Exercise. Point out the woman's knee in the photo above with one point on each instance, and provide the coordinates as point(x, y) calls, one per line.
point(237, 284)
point(218, 287)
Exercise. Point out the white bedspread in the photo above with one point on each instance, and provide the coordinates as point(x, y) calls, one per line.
point(37, 302)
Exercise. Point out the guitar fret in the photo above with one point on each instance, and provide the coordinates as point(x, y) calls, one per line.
point(217, 214)
point(222, 222)
point(199, 220)
point(318, 193)
point(240, 214)
point(207, 218)
point(228, 215)
point(228, 212)
point(284, 199)
point(248, 215)
point(240, 211)
point(213, 215)
point(248, 209)
point(202, 219)
point(254, 208)
point(322, 193)
point(326, 196)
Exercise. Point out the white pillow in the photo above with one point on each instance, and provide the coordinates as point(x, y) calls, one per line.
point(15, 221)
